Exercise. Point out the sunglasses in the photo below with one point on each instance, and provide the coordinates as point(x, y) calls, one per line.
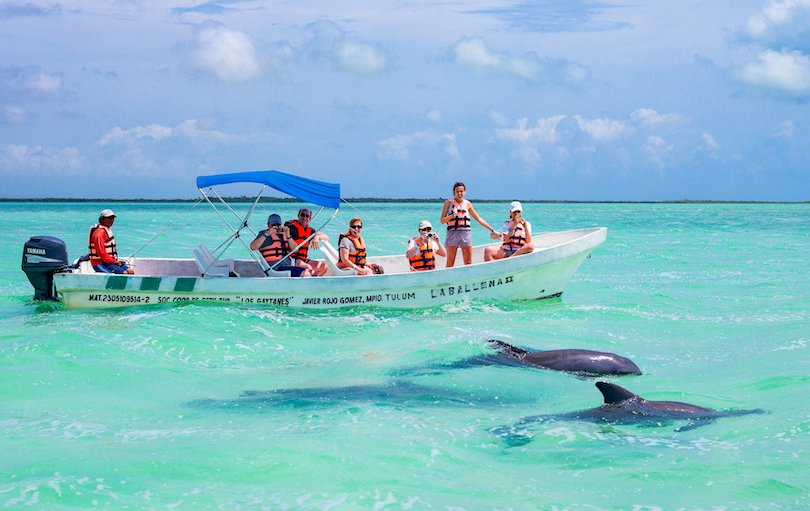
point(426, 229)
point(358, 226)
point(303, 215)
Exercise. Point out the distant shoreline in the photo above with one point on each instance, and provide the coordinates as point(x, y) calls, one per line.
point(370, 199)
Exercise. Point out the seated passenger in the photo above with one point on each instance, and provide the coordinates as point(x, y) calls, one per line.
point(272, 243)
point(101, 243)
point(299, 231)
point(421, 250)
point(352, 249)
point(517, 236)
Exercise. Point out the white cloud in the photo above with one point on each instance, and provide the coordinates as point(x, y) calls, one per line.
point(544, 131)
point(13, 115)
point(475, 54)
point(359, 58)
point(31, 83)
point(498, 118)
point(602, 129)
point(228, 54)
point(434, 115)
point(329, 42)
point(187, 129)
point(657, 149)
point(20, 159)
point(783, 130)
point(711, 145)
point(399, 147)
point(652, 119)
point(530, 156)
point(775, 16)
point(529, 139)
point(44, 83)
point(787, 71)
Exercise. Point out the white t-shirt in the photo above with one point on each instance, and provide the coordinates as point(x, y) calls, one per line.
point(505, 227)
point(347, 243)
point(433, 244)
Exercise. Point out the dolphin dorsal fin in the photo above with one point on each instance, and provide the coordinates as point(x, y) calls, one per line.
point(614, 393)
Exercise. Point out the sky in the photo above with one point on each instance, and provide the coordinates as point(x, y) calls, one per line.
point(536, 100)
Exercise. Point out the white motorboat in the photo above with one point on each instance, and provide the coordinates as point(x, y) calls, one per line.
point(544, 273)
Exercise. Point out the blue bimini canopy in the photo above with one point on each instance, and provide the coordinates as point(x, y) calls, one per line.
point(309, 190)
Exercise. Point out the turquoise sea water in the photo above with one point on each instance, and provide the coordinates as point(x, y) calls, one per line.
point(172, 407)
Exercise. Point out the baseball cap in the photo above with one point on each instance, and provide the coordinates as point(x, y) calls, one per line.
point(106, 213)
point(515, 206)
point(274, 219)
point(424, 224)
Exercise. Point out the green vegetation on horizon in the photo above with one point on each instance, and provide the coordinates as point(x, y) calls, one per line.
point(376, 199)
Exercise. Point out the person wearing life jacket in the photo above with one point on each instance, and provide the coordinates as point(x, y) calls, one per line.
point(352, 249)
point(300, 231)
point(517, 236)
point(456, 214)
point(422, 251)
point(272, 244)
point(101, 244)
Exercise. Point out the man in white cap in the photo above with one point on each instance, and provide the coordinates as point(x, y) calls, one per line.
point(517, 236)
point(422, 250)
point(101, 243)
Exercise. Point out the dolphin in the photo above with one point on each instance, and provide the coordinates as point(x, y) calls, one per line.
point(583, 362)
point(621, 407)
point(394, 393)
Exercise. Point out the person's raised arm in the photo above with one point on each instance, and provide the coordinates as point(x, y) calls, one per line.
point(259, 241)
point(440, 251)
point(480, 220)
point(528, 229)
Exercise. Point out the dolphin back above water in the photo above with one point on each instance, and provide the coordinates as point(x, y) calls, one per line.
point(621, 405)
point(573, 361)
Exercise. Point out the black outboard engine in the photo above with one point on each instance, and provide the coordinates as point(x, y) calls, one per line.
point(42, 257)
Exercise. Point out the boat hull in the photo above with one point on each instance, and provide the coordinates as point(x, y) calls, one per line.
point(541, 274)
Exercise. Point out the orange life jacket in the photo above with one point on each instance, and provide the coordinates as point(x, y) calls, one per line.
point(518, 238)
point(424, 260)
point(273, 248)
point(299, 234)
point(109, 245)
point(458, 223)
point(359, 257)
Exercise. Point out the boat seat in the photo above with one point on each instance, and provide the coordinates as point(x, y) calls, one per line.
point(331, 257)
point(218, 269)
point(211, 258)
point(265, 266)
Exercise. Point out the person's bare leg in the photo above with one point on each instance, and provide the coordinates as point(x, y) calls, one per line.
point(525, 249)
point(451, 256)
point(467, 253)
point(488, 253)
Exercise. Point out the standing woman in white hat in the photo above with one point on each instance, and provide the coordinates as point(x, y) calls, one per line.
point(517, 236)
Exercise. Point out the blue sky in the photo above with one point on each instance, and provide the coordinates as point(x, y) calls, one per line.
point(570, 100)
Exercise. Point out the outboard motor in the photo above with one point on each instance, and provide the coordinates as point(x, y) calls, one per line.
point(42, 257)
